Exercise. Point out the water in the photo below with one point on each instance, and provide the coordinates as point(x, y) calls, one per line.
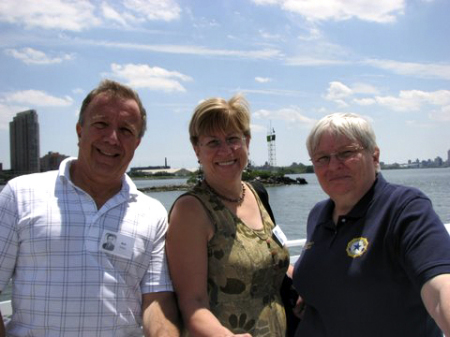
point(291, 203)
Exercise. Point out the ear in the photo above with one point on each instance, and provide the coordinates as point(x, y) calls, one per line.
point(78, 128)
point(376, 156)
point(196, 150)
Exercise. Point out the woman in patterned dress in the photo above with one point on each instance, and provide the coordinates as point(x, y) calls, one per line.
point(226, 263)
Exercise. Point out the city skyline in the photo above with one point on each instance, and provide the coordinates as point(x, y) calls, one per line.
point(295, 61)
point(28, 122)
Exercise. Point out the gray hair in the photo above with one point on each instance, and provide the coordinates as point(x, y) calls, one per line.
point(114, 89)
point(350, 125)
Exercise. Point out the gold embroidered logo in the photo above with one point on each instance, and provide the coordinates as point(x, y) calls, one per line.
point(357, 247)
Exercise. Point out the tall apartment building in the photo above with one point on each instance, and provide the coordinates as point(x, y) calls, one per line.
point(24, 142)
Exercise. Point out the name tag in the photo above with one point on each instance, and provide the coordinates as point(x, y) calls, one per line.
point(117, 244)
point(279, 235)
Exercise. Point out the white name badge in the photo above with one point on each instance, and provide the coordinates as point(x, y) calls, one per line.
point(117, 244)
point(280, 235)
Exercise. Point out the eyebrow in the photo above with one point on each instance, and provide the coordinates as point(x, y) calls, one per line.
point(343, 148)
point(101, 117)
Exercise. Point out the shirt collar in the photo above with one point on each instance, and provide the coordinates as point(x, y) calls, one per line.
point(128, 186)
point(361, 207)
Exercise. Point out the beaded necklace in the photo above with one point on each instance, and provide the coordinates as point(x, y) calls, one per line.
point(237, 201)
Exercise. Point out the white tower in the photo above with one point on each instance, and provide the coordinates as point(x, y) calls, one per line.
point(271, 147)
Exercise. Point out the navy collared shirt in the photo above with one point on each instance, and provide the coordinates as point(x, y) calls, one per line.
point(363, 275)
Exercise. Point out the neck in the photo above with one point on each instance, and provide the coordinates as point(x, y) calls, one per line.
point(229, 196)
point(101, 192)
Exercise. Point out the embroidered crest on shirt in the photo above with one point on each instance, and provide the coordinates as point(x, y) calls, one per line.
point(357, 247)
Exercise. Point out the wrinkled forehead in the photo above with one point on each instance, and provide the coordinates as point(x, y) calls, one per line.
point(334, 140)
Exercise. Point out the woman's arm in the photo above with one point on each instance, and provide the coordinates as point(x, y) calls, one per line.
point(189, 231)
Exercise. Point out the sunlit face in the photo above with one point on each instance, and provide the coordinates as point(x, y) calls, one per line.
point(108, 138)
point(223, 155)
point(348, 178)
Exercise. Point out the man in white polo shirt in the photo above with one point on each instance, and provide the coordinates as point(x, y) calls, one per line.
point(54, 225)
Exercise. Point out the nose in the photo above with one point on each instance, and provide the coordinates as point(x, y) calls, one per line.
point(334, 162)
point(111, 136)
point(224, 147)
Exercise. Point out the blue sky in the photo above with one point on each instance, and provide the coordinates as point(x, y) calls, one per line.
point(295, 60)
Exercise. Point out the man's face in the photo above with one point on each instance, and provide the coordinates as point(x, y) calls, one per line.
point(108, 138)
point(345, 181)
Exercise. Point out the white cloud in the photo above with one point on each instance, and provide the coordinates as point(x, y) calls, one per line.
point(153, 78)
point(364, 101)
point(268, 36)
point(263, 79)
point(166, 10)
point(442, 115)
point(414, 100)
point(276, 92)
point(80, 15)
point(338, 91)
point(313, 33)
point(319, 53)
point(266, 2)
point(312, 61)
point(256, 128)
point(33, 56)
point(36, 98)
point(267, 53)
point(49, 14)
point(364, 88)
point(381, 11)
point(422, 70)
point(407, 100)
point(111, 13)
point(78, 91)
point(7, 112)
point(291, 115)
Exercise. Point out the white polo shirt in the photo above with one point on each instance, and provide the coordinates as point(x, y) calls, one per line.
point(66, 281)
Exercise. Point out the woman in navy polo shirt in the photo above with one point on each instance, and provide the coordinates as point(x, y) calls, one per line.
point(377, 258)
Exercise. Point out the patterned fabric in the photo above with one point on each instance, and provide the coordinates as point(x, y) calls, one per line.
point(245, 271)
point(64, 283)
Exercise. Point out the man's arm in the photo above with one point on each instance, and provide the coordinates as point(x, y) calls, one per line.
point(436, 297)
point(160, 316)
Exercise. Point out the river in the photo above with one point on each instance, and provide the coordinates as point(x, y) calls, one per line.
point(291, 203)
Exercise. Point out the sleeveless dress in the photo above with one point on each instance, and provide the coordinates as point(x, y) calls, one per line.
point(245, 270)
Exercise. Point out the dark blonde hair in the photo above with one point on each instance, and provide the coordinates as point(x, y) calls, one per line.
point(217, 114)
point(114, 89)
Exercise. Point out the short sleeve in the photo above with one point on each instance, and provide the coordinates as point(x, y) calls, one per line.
point(8, 235)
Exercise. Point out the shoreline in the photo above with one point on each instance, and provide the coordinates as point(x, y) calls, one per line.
point(272, 181)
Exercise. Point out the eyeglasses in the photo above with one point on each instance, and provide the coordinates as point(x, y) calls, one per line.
point(233, 142)
point(341, 156)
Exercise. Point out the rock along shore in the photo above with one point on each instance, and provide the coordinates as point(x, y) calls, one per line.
point(270, 181)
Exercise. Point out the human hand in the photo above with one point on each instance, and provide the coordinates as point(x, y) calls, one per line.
point(299, 309)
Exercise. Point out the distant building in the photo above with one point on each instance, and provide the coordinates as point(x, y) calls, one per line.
point(24, 142)
point(438, 161)
point(51, 161)
point(1, 167)
point(448, 157)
